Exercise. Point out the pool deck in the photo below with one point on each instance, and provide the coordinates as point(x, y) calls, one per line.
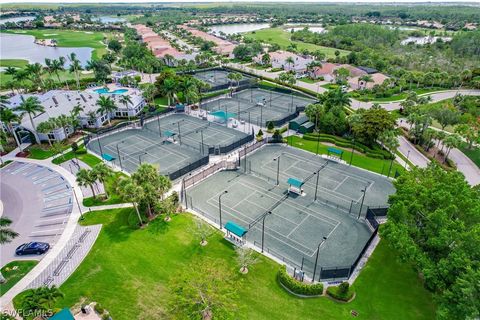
point(113, 87)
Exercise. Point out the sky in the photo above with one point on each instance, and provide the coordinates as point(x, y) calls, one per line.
point(229, 1)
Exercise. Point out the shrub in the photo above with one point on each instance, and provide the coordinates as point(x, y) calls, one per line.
point(374, 155)
point(99, 309)
point(341, 292)
point(81, 151)
point(270, 126)
point(74, 147)
point(298, 287)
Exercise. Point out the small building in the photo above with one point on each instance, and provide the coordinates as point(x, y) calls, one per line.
point(325, 71)
point(235, 233)
point(307, 127)
point(278, 60)
point(297, 122)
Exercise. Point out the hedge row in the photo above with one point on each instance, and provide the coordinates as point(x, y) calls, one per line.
point(297, 286)
point(375, 152)
point(336, 293)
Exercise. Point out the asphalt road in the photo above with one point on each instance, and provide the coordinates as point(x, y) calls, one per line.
point(415, 156)
point(25, 197)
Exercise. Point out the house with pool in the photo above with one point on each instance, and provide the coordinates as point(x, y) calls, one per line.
point(63, 102)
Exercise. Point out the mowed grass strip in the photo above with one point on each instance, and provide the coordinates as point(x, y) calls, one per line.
point(359, 160)
point(283, 39)
point(128, 271)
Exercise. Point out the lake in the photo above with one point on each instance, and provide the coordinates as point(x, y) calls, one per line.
point(237, 28)
point(17, 19)
point(22, 46)
point(108, 19)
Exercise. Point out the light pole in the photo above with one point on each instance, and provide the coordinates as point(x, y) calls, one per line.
point(140, 157)
point(119, 156)
point(316, 185)
point(278, 169)
point(159, 130)
point(201, 135)
point(353, 149)
point(316, 259)
point(220, 206)
point(364, 191)
point(263, 227)
point(78, 204)
point(406, 161)
point(179, 134)
point(100, 147)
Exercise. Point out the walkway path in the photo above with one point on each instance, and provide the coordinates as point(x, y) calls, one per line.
point(465, 166)
point(414, 156)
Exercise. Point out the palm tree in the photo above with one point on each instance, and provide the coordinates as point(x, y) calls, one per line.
point(290, 61)
point(63, 121)
point(452, 141)
point(266, 59)
point(102, 172)
point(40, 299)
point(131, 192)
point(6, 235)
point(20, 76)
point(126, 100)
point(8, 117)
point(75, 67)
point(85, 178)
point(32, 107)
point(35, 72)
point(390, 141)
point(169, 88)
point(366, 79)
point(57, 66)
point(106, 106)
point(46, 127)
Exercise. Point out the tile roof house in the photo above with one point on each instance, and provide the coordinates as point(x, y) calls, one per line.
point(377, 79)
point(325, 71)
point(223, 47)
point(278, 59)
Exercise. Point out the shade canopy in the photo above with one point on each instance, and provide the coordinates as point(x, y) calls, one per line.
point(234, 228)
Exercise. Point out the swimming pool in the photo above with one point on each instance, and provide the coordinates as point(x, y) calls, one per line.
point(105, 91)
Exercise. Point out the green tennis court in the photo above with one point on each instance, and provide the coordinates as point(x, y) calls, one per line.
point(215, 77)
point(297, 223)
point(258, 106)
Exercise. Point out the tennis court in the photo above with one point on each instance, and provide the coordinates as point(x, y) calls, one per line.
point(297, 224)
point(259, 106)
point(216, 77)
point(173, 143)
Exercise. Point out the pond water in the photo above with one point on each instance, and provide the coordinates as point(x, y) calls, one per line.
point(237, 28)
point(17, 19)
point(20, 46)
point(108, 19)
point(424, 40)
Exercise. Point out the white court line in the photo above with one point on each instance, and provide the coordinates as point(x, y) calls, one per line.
point(345, 179)
point(240, 214)
point(254, 187)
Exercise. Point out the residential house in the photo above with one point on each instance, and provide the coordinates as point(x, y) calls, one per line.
point(222, 46)
point(325, 71)
point(278, 59)
point(377, 79)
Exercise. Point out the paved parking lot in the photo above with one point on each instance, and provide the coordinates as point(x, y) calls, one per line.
point(38, 200)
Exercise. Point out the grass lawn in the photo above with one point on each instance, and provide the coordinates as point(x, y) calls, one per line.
point(330, 86)
point(161, 101)
point(71, 38)
point(128, 269)
point(43, 151)
point(372, 164)
point(16, 63)
point(309, 80)
point(282, 38)
point(13, 276)
point(88, 158)
point(64, 75)
point(113, 197)
point(473, 154)
point(396, 97)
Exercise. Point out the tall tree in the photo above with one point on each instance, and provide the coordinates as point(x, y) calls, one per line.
point(86, 178)
point(6, 236)
point(126, 100)
point(9, 117)
point(131, 192)
point(372, 124)
point(106, 106)
point(32, 107)
point(75, 67)
point(102, 172)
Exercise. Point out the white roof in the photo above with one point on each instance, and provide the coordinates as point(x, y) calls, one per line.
point(58, 102)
